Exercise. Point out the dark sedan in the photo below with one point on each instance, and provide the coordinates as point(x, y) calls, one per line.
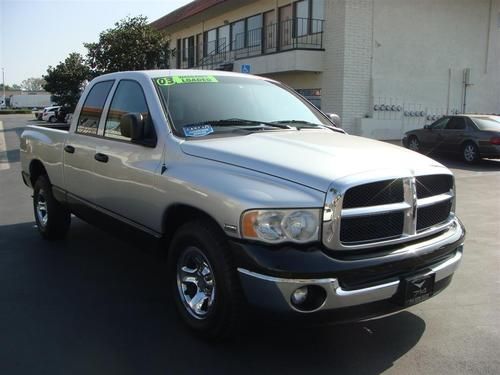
point(470, 136)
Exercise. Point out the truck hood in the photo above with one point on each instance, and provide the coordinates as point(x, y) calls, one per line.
point(314, 158)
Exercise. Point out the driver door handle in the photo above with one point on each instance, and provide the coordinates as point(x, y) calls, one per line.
point(101, 157)
point(69, 149)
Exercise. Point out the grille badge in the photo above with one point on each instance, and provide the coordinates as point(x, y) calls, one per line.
point(410, 196)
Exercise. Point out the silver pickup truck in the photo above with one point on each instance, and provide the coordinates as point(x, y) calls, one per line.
point(259, 199)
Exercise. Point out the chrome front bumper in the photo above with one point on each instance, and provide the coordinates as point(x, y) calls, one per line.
point(275, 293)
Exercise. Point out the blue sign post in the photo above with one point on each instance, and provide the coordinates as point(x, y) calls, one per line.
point(245, 68)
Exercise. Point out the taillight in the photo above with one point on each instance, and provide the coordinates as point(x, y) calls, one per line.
point(495, 141)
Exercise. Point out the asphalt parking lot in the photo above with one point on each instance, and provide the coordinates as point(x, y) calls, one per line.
point(96, 303)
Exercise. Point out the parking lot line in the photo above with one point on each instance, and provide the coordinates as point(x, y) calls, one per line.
point(4, 161)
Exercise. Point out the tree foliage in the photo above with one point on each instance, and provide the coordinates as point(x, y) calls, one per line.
point(33, 84)
point(131, 45)
point(66, 81)
point(7, 87)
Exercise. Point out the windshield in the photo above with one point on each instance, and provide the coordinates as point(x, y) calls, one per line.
point(487, 123)
point(202, 105)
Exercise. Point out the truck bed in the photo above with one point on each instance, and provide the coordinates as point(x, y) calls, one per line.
point(60, 126)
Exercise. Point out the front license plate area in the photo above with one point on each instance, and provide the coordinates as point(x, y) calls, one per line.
point(417, 289)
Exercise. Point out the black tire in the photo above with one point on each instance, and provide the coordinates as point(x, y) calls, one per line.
point(470, 153)
point(52, 219)
point(53, 119)
point(224, 316)
point(414, 143)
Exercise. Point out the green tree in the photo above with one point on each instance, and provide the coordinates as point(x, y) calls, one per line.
point(66, 81)
point(7, 87)
point(131, 45)
point(33, 84)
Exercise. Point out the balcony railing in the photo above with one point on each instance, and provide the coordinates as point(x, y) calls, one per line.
point(296, 33)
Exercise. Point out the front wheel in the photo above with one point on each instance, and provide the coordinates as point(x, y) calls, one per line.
point(204, 282)
point(52, 219)
point(53, 120)
point(470, 153)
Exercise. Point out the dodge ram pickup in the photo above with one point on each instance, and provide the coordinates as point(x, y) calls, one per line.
point(259, 199)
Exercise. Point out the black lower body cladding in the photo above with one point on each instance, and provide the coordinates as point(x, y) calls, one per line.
point(350, 273)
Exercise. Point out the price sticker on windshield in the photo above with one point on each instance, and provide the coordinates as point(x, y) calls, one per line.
point(197, 130)
point(180, 80)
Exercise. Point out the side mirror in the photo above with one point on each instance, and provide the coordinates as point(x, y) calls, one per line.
point(132, 126)
point(334, 118)
point(428, 127)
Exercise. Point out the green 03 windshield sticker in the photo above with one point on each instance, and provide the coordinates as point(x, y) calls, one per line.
point(179, 80)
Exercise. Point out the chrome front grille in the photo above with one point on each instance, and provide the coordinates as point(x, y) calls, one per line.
point(374, 194)
point(433, 215)
point(372, 227)
point(386, 211)
point(427, 186)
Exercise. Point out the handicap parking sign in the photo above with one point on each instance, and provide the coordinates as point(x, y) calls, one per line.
point(245, 68)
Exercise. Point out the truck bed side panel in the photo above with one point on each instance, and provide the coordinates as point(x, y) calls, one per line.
point(46, 145)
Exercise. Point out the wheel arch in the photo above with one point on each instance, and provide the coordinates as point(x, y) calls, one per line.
point(178, 214)
point(468, 140)
point(36, 170)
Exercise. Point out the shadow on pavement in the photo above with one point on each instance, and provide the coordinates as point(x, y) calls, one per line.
point(10, 156)
point(482, 165)
point(94, 304)
point(453, 161)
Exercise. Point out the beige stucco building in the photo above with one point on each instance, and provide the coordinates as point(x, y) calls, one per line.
point(385, 66)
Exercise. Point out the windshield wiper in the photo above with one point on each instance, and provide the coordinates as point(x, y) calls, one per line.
point(299, 124)
point(242, 122)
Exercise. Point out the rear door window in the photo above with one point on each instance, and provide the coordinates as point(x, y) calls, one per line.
point(88, 122)
point(456, 123)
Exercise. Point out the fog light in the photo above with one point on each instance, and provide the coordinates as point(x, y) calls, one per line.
point(299, 296)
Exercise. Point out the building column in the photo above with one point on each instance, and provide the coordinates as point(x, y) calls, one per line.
point(346, 86)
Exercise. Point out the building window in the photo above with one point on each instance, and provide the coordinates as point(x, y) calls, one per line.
point(223, 38)
point(185, 49)
point(309, 16)
point(188, 52)
point(302, 18)
point(199, 48)
point(312, 95)
point(178, 53)
point(210, 42)
point(317, 15)
point(254, 31)
point(238, 35)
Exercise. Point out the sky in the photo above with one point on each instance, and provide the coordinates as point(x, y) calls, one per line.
point(37, 33)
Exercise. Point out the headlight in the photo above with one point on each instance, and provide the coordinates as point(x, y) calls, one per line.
point(275, 226)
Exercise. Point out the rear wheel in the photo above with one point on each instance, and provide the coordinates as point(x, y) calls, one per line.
point(53, 119)
point(52, 219)
point(414, 143)
point(204, 282)
point(470, 152)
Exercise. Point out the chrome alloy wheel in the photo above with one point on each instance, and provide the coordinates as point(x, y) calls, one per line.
point(414, 144)
point(41, 208)
point(470, 153)
point(195, 282)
